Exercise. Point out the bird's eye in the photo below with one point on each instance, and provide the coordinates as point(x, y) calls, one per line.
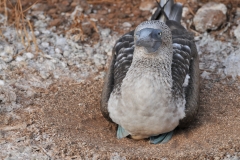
point(159, 33)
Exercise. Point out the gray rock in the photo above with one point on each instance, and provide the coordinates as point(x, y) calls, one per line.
point(210, 16)
point(105, 32)
point(45, 44)
point(28, 55)
point(237, 33)
point(20, 58)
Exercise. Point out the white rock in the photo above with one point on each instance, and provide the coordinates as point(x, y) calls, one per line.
point(105, 32)
point(20, 58)
point(45, 44)
point(185, 12)
point(2, 83)
point(61, 41)
point(237, 33)
point(232, 65)
point(66, 53)
point(9, 49)
point(205, 75)
point(57, 50)
point(29, 55)
point(36, 33)
point(44, 31)
point(127, 24)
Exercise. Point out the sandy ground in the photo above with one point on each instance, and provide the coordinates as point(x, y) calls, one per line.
point(64, 122)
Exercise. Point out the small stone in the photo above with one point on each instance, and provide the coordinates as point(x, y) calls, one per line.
point(147, 5)
point(237, 33)
point(45, 31)
point(36, 33)
point(45, 44)
point(185, 12)
point(210, 16)
point(41, 16)
point(105, 32)
point(127, 24)
point(61, 41)
point(29, 55)
point(20, 58)
point(2, 83)
point(66, 53)
point(205, 75)
point(57, 50)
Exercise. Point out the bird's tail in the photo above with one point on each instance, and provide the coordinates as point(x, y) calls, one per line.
point(168, 10)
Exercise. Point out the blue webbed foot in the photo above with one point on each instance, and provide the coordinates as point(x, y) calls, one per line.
point(162, 138)
point(121, 132)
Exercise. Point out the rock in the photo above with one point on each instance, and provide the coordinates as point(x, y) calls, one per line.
point(127, 24)
point(210, 16)
point(36, 33)
point(20, 58)
point(2, 83)
point(45, 44)
point(28, 55)
point(66, 53)
point(57, 50)
point(61, 41)
point(185, 12)
point(237, 33)
point(105, 32)
point(147, 5)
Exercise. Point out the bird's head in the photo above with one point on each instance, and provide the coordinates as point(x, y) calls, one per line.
point(152, 36)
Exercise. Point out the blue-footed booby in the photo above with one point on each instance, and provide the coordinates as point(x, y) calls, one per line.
point(152, 84)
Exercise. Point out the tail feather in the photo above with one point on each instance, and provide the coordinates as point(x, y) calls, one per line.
point(168, 6)
point(168, 10)
point(176, 13)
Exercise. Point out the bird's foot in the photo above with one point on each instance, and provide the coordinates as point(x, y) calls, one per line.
point(162, 138)
point(121, 132)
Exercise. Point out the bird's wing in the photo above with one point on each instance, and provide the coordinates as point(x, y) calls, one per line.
point(122, 55)
point(185, 69)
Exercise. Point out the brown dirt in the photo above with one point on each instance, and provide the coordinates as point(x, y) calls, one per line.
point(70, 113)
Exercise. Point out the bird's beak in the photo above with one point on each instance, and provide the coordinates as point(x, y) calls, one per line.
point(145, 38)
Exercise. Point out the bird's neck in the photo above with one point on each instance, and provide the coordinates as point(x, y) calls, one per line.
point(153, 71)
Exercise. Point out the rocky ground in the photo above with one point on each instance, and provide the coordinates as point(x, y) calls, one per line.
point(53, 57)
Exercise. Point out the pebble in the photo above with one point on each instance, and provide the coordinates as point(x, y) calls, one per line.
point(127, 24)
point(105, 32)
point(20, 58)
point(210, 16)
point(237, 32)
point(58, 51)
point(147, 5)
point(2, 83)
point(28, 55)
point(66, 53)
point(45, 44)
point(61, 41)
point(36, 33)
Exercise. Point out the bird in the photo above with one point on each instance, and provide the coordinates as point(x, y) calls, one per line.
point(151, 86)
